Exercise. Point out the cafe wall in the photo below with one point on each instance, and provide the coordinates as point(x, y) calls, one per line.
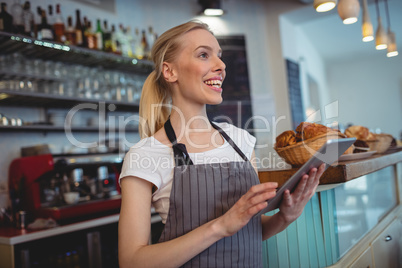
point(369, 92)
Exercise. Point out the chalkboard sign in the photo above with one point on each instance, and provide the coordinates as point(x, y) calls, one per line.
point(295, 95)
point(236, 106)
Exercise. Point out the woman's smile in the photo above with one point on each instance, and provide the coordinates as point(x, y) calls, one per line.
point(215, 83)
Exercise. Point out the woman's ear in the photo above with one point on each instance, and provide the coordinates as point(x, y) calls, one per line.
point(168, 72)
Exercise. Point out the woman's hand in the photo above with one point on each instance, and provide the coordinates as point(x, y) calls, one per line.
point(293, 203)
point(245, 208)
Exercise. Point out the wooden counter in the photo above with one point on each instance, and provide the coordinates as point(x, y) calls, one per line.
point(339, 172)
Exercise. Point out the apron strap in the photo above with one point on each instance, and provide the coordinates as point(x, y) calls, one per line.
point(230, 141)
point(179, 149)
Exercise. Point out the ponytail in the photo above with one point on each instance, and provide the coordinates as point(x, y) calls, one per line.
point(154, 106)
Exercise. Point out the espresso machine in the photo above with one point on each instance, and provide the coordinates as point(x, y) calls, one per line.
point(65, 187)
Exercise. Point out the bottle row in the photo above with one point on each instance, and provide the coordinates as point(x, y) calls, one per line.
point(46, 25)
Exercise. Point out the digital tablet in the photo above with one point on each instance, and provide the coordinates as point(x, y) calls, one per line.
point(328, 153)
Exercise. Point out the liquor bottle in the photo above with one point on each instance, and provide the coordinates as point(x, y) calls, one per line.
point(28, 20)
point(45, 30)
point(122, 38)
point(78, 29)
point(116, 48)
point(38, 20)
point(107, 37)
point(59, 26)
point(50, 16)
point(151, 37)
point(90, 36)
point(70, 32)
point(6, 20)
point(144, 43)
point(129, 40)
point(99, 35)
point(138, 50)
point(16, 11)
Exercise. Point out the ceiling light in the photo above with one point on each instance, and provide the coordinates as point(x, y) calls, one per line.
point(324, 5)
point(348, 10)
point(392, 49)
point(381, 39)
point(211, 7)
point(367, 27)
point(213, 12)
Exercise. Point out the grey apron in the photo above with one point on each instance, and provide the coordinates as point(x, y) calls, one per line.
point(201, 193)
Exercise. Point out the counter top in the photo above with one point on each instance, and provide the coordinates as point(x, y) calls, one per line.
point(338, 172)
point(13, 236)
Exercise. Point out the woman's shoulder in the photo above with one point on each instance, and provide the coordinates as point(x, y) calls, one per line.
point(149, 145)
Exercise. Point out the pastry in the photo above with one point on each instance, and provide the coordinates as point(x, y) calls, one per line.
point(360, 133)
point(307, 130)
point(361, 146)
point(285, 139)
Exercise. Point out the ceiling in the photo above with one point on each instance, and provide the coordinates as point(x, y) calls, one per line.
point(336, 41)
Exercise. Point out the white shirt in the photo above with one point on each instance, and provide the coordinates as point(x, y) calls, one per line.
point(153, 161)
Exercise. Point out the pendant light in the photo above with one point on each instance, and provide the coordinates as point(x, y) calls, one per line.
point(367, 26)
point(392, 49)
point(381, 39)
point(348, 10)
point(324, 5)
point(211, 7)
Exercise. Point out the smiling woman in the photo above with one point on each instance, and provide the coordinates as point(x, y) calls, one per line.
point(207, 192)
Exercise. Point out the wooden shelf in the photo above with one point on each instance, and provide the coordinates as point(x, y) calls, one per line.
point(339, 172)
point(51, 128)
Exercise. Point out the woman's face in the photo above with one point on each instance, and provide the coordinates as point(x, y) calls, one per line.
point(199, 69)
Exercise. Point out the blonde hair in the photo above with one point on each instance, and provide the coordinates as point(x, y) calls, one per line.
point(156, 92)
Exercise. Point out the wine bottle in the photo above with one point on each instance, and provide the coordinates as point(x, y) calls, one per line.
point(45, 30)
point(90, 36)
point(38, 20)
point(50, 16)
point(144, 43)
point(99, 35)
point(116, 48)
point(59, 26)
point(107, 37)
point(16, 11)
point(6, 20)
point(78, 29)
point(28, 20)
point(70, 32)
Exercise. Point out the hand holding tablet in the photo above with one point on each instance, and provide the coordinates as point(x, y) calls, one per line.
point(328, 154)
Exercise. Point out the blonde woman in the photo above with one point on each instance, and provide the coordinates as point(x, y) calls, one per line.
point(197, 174)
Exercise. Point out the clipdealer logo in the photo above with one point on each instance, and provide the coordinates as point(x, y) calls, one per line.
point(112, 130)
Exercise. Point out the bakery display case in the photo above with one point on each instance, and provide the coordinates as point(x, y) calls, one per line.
point(355, 217)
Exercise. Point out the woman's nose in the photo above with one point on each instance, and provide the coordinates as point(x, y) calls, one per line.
point(220, 65)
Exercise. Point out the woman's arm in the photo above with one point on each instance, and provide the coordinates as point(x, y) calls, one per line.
point(135, 222)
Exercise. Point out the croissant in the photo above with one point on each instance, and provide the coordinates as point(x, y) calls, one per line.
point(307, 130)
point(285, 139)
point(360, 133)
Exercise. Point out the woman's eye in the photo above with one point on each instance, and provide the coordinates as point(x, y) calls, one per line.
point(204, 55)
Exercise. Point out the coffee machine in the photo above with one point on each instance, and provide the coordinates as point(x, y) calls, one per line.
point(65, 187)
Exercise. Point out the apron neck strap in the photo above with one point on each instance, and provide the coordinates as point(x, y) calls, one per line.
point(179, 149)
point(180, 153)
point(229, 140)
